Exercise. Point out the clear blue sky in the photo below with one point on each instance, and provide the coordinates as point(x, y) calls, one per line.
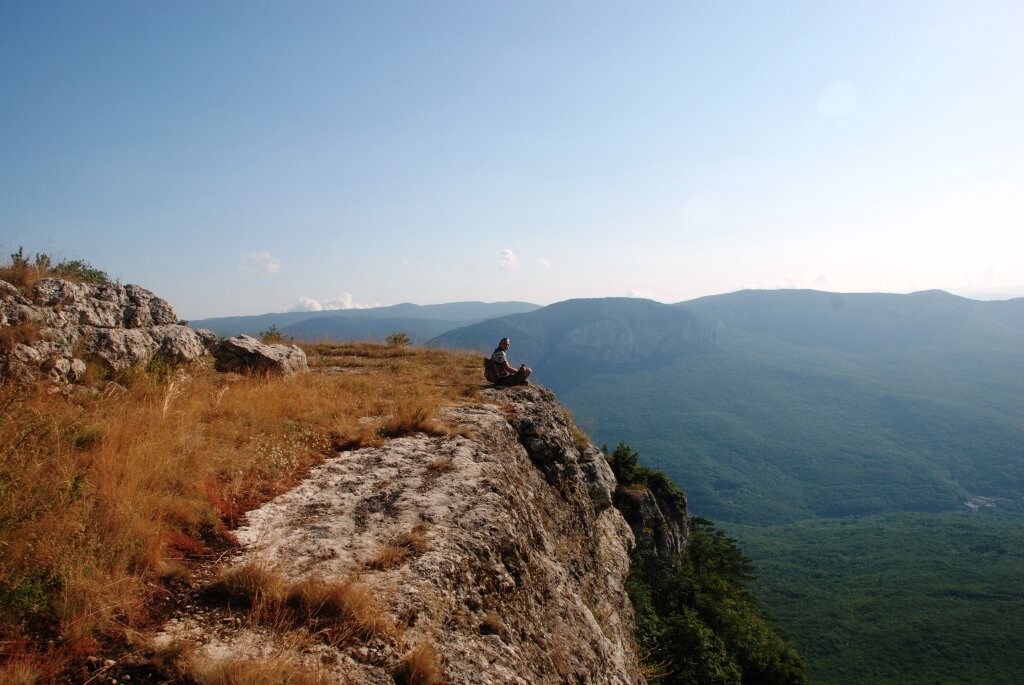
point(247, 157)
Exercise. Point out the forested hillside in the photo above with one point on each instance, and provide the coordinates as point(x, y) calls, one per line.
point(784, 409)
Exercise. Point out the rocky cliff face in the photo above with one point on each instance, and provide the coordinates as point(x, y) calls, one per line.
point(53, 328)
point(649, 513)
point(519, 573)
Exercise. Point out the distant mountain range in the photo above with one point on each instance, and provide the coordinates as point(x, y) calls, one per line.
point(419, 322)
point(846, 403)
point(575, 339)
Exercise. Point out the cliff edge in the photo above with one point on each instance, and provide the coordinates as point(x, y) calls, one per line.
point(498, 547)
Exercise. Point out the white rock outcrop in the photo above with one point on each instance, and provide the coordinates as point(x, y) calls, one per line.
point(54, 328)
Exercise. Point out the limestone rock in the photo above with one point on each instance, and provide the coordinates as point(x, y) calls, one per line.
point(540, 419)
point(60, 324)
point(145, 309)
point(665, 522)
point(245, 354)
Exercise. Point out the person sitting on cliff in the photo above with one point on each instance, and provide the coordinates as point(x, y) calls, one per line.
point(508, 375)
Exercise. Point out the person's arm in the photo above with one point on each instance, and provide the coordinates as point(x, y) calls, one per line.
point(510, 368)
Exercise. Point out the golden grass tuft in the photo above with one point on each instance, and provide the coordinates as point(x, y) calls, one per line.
point(253, 584)
point(103, 493)
point(344, 605)
point(491, 624)
point(405, 545)
point(20, 672)
point(414, 413)
point(343, 608)
point(442, 464)
point(420, 666)
point(273, 671)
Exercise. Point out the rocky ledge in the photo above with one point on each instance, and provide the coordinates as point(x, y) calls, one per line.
point(518, 575)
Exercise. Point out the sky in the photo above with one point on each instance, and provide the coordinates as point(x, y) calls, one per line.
point(249, 157)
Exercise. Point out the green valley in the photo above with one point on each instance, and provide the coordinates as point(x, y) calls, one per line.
point(866, 450)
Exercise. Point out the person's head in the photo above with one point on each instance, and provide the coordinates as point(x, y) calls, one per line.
point(503, 345)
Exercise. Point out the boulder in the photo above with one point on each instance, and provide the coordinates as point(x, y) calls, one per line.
point(146, 309)
point(245, 354)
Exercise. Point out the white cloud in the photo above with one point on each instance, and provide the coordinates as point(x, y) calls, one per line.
point(306, 304)
point(636, 292)
point(508, 260)
point(836, 101)
point(343, 301)
point(260, 263)
point(543, 263)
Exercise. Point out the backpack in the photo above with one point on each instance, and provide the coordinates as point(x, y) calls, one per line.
point(491, 370)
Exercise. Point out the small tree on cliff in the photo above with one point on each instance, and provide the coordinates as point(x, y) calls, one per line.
point(625, 464)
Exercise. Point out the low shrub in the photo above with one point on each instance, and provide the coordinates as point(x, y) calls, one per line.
point(22, 272)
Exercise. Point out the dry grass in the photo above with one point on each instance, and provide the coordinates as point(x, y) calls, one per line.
point(273, 671)
point(23, 270)
point(402, 547)
point(579, 438)
point(22, 276)
point(20, 671)
point(346, 606)
point(420, 666)
point(491, 624)
point(184, 661)
point(439, 465)
point(339, 609)
point(24, 333)
point(253, 584)
point(103, 494)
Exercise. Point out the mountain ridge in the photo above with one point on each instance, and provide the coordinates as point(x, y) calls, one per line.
point(456, 312)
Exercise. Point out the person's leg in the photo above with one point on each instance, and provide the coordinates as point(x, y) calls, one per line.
point(506, 381)
point(521, 375)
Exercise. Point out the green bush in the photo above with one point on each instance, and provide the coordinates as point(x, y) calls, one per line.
point(398, 339)
point(22, 271)
point(81, 271)
point(275, 336)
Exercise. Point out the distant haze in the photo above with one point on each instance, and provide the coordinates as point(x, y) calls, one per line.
point(244, 158)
